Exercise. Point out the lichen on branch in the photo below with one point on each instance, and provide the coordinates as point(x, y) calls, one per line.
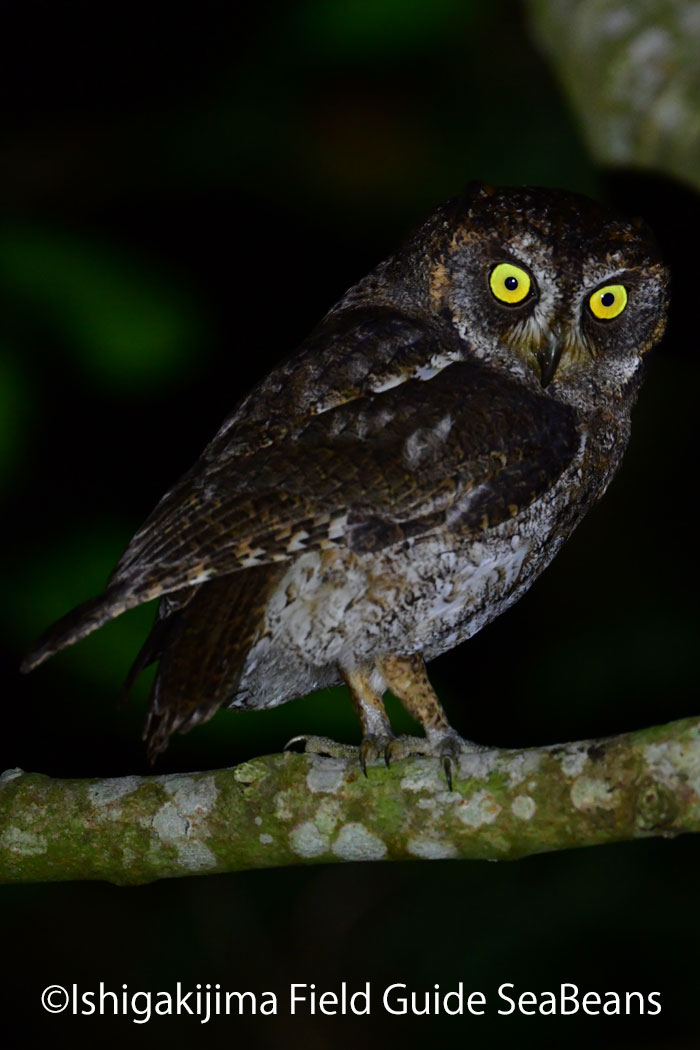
point(308, 809)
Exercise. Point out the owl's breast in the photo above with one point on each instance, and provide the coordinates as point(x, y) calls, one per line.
point(339, 608)
point(426, 594)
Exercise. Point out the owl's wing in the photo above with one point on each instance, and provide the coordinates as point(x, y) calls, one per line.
point(465, 448)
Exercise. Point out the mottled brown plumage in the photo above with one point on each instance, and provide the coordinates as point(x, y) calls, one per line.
point(405, 476)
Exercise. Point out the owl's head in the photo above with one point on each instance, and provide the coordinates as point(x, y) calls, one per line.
point(549, 286)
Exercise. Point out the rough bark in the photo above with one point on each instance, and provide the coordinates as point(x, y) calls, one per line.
point(308, 809)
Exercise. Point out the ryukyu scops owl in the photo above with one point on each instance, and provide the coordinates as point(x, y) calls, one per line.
point(404, 477)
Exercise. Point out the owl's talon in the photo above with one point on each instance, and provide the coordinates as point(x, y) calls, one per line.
point(449, 745)
point(447, 767)
point(363, 752)
point(373, 747)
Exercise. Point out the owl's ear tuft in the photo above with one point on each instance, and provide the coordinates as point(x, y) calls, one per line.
point(477, 189)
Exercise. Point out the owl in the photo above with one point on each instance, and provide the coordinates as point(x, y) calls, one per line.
point(403, 478)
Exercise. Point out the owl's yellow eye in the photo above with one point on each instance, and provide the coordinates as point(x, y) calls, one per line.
point(509, 283)
point(608, 302)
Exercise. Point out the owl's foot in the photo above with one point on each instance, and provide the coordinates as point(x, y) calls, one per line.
point(407, 678)
point(445, 744)
point(374, 746)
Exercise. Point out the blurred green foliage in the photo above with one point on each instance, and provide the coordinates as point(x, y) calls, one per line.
point(367, 30)
point(125, 326)
point(14, 397)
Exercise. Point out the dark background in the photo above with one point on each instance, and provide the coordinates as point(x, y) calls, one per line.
point(182, 196)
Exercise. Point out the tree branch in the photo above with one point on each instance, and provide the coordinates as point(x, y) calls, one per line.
point(630, 73)
point(307, 809)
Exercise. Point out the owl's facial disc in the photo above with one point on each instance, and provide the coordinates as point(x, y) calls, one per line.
point(550, 323)
point(548, 287)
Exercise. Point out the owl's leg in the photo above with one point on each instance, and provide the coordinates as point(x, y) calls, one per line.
point(366, 687)
point(407, 678)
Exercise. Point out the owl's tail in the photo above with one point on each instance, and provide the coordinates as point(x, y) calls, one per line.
point(202, 647)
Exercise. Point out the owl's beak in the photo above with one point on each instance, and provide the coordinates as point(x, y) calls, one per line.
point(548, 359)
